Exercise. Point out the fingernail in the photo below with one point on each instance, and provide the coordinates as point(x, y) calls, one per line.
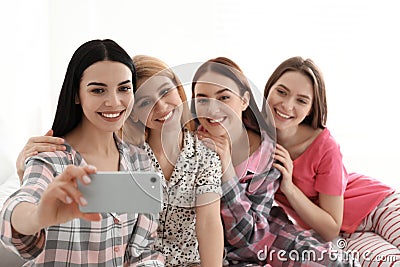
point(86, 179)
point(92, 167)
point(83, 201)
point(68, 199)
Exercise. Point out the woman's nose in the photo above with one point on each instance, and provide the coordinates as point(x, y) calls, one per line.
point(160, 105)
point(214, 106)
point(112, 99)
point(288, 104)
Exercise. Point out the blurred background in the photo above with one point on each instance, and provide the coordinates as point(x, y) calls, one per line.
point(355, 43)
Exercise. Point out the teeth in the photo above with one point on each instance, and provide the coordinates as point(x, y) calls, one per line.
point(216, 120)
point(282, 115)
point(110, 115)
point(166, 117)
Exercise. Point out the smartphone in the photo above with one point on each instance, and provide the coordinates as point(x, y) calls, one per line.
point(137, 192)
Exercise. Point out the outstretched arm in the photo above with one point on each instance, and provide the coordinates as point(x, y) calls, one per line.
point(58, 204)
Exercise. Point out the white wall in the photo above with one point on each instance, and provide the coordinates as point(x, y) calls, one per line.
point(354, 42)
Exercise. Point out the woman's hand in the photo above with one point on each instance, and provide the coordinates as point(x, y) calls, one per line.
point(222, 146)
point(59, 203)
point(285, 166)
point(46, 143)
point(219, 144)
point(325, 218)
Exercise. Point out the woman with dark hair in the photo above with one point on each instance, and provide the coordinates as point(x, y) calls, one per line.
point(256, 232)
point(42, 221)
point(316, 189)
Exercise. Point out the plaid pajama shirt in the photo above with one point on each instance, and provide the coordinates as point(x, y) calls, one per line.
point(257, 233)
point(118, 239)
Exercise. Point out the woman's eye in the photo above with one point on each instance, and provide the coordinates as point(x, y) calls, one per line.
point(144, 103)
point(125, 88)
point(202, 100)
point(97, 90)
point(302, 101)
point(281, 92)
point(225, 97)
point(163, 92)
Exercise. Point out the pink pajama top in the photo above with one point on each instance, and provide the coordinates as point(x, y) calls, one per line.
point(320, 169)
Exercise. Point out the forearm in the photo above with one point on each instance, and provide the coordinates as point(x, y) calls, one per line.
point(210, 235)
point(211, 243)
point(24, 219)
point(313, 215)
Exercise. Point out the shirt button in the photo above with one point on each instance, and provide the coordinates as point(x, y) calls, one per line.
point(116, 249)
point(116, 221)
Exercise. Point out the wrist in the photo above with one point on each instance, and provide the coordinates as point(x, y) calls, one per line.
point(288, 189)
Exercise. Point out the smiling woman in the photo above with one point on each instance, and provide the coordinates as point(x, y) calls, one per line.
point(105, 101)
point(44, 213)
point(316, 189)
point(190, 231)
point(149, 109)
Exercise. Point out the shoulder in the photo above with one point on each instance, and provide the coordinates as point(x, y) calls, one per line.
point(327, 139)
point(53, 158)
point(193, 147)
point(47, 164)
point(192, 140)
point(326, 147)
point(320, 138)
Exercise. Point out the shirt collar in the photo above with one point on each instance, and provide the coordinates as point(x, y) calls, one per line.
point(258, 162)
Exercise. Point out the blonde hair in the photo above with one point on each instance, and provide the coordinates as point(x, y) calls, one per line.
point(147, 67)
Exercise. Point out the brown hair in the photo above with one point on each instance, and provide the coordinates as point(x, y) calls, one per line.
point(319, 111)
point(251, 116)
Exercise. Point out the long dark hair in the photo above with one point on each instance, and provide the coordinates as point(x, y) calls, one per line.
point(69, 114)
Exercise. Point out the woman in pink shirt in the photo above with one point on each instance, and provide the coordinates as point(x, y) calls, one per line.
point(315, 189)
